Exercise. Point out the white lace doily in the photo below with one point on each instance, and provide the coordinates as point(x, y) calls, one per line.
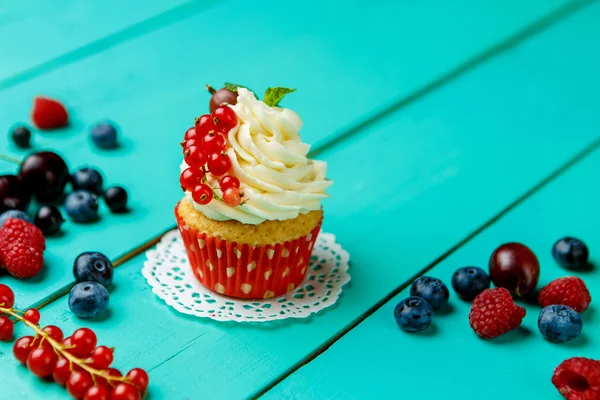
point(168, 272)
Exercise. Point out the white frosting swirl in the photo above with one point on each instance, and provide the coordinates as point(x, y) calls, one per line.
point(277, 179)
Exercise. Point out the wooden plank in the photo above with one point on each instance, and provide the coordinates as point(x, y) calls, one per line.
point(438, 152)
point(153, 87)
point(44, 33)
point(377, 359)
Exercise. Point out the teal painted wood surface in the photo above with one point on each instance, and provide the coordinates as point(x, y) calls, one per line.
point(37, 35)
point(441, 153)
point(153, 87)
point(378, 360)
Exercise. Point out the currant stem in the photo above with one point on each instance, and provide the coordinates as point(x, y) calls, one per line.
point(59, 348)
point(210, 89)
point(10, 159)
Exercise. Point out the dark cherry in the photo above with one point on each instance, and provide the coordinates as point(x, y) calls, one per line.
point(49, 220)
point(221, 96)
point(13, 193)
point(514, 266)
point(45, 174)
point(116, 199)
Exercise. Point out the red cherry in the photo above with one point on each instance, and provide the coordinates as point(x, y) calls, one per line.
point(190, 134)
point(124, 391)
point(204, 124)
point(139, 378)
point(97, 393)
point(514, 266)
point(214, 142)
point(7, 297)
point(229, 181)
point(41, 361)
point(231, 197)
point(22, 348)
point(224, 118)
point(219, 164)
point(195, 156)
point(202, 194)
point(101, 357)
point(32, 315)
point(84, 341)
point(79, 383)
point(6, 328)
point(54, 332)
point(62, 371)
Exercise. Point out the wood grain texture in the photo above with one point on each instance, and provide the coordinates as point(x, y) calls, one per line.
point(458, 157)
point(152, 87)
point(378, 360)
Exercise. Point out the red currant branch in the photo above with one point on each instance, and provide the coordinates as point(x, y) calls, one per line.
point(61, 351)
point(10, 159)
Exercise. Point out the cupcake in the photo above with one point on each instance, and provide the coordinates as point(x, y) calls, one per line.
point(252, 206)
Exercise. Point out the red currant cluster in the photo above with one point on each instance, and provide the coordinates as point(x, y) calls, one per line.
point(204, 152)
point(75, 362)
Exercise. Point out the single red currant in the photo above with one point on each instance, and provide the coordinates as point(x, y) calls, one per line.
point(224, 118)
point(101, 357)
point(97, 393)
point(214, 142)
point(54, 332)
point(32, 315)
point(7, 297)
point(6, 328)
point(229, 181)
point(62, 371)
point(84, 341)
point(139, 378)
point(22, 348)
point(190, 142)
point(202, 194)
point(79, 383)
point(195, 156)
point(190, 134)
point(41, 361)
point(219, 164)
point(124, 391)
point(204, 124)
point(190, 178)
point(231, 197)
point(110, 372)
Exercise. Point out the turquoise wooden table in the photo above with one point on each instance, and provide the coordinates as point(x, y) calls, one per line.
point(448, 128)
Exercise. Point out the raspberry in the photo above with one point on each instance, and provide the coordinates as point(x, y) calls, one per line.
point(578, 378)
point(22, 248)
point(48, 113)
point(568, 291)
point(494, 313)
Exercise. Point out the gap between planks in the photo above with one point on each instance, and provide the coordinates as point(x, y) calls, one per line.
point(148, 25)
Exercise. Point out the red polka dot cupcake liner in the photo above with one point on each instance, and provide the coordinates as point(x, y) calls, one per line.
point(246, 271)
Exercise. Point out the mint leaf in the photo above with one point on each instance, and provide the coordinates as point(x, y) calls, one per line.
point(234, 87)
point(273, 95)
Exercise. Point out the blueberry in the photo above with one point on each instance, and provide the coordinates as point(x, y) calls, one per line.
point(88, 299)
point(82, 206)
point(49, 220)
point(116, 199)
point(93, 266)
point(570, 253)
point(468, 282)
point(21, 136)
point(559, 324)
point(432, 290)
point(87, 179)
point(14, 214)
point(413, 314)
point(104, 135)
